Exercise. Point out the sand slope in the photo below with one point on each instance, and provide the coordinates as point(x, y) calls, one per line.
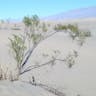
point(81, 79)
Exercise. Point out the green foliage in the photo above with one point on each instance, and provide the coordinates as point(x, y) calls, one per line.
point(44, 27)
point(82, 37)
point(18, 47)
point(32, 26)
point(60, 27)
point(2, 21)
point(76, 33)
point(27, 21)
point(36, 38)
point(73, 28)
point(35, 20)
point(15, 28)
point(71, 58)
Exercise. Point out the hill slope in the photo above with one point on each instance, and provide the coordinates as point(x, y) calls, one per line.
point(89, 12)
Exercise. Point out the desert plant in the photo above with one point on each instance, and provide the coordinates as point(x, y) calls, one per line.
point(60, 27)
point(44, 27)
point(18, 48)
point(27, 21)
point(22, 52)
point(2, 21)
point(15, 28)
point(4, 74)
point(76, 34)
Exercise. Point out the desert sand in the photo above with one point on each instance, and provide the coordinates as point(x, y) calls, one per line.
point(80, 79)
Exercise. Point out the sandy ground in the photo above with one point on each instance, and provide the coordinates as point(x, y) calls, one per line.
point(80, 79)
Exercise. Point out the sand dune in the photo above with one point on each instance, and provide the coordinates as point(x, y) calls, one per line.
point(80, 79)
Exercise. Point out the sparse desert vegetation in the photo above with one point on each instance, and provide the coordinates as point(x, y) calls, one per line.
point(34, 35)
point(49, 54)
point(24, 44)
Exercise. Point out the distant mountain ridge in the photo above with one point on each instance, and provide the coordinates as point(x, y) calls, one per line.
point(89, 12)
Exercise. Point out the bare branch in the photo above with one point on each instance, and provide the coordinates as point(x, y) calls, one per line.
point(69, 60)
point(34, 67)
point(27, 58)
point(34, 47)
point(41, 65)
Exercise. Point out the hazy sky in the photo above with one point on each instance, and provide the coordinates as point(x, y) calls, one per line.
point(20, 8)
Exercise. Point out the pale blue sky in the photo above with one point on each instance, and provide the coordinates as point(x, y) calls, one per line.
point(17, 9)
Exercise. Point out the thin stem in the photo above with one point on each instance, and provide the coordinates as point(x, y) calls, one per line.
point(33, 48)
point(41, 65)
